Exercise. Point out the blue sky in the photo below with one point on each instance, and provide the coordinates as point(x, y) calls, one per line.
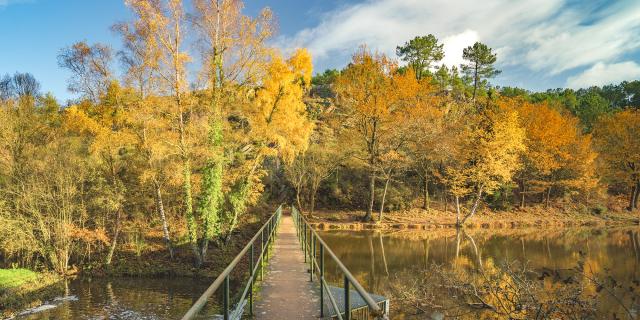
point(540, 43)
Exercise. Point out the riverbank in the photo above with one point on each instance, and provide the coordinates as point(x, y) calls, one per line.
point(138, 255)
point(152, 258)
point(421, 219)
point(22, 288)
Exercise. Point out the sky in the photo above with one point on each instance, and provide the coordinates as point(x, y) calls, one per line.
point(540, 44)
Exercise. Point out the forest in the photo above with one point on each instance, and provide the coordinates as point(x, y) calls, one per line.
point(199, 119)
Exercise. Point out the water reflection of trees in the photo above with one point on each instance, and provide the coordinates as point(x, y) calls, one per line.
point(473, 290)
point(566, 266)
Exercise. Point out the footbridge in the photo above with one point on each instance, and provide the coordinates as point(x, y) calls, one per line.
point(286, 279)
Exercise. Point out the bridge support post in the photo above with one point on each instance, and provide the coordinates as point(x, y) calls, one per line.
point(262, 255)
point(321, 280)
point(312, 254)
point(347, 298)
point(225, 298)
point(266, 253)
point(252, 279)
point(304, 243)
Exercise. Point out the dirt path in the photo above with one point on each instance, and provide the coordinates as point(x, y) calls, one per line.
point(286, 292)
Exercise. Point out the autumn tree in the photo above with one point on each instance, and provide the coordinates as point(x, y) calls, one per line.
point(619, 151)
point(410, 96)
point(90, 66)
point(105, 128)
point(234, 54)
point(479, 66)
point(421, 53)
point(138, 57)
point(41, 203)
point(151, 127)
point(390, 164)
point(280, 126)
point(365, 89)
point(18, 85)
point(428, 146)
point(492, 144)
point(555, 145)
point(324, 155)
point(157, 61)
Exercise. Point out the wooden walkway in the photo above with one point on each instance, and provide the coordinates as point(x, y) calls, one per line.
point(286, 291)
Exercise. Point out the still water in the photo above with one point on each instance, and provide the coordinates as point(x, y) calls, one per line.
point(129, 298)
point(377, 259)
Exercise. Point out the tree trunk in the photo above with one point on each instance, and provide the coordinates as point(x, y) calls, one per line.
point(384, 196)
point(114, 243)
point(372, 195)
point(426, 200)
point(298, 198)
point(522, 193)
point(458, 224)
point(313, 199)
point(548, 197)
point(633, 198)
point(204, 245)
point(475, 83)
point(635, 201)
point(163, 217)
point(457, 244)
point(474, 208)
point(445, 199)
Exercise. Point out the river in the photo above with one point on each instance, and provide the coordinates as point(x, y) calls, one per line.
point(123, 298)
point(385, 262)
point(389, 263)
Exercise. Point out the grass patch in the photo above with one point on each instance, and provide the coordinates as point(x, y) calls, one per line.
point(22, 288)
point(11, 278)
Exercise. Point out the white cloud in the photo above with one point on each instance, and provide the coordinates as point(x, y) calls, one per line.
point(455, 44)
point(602, 74)
point(549, 36)
point(568, 43)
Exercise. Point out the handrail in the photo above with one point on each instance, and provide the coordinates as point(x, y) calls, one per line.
point(223, 279)
point(309, 246)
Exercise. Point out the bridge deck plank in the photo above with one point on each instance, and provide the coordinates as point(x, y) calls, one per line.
point(286, 290)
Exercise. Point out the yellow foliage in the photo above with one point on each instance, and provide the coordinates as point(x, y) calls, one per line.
point(557, 151)
point(492, 145)
point(616, 138)
point(278, 116)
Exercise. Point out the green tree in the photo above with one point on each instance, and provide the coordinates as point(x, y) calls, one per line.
point(326, 78)
point(591, 107)
point(479, 66)
point(420, 53)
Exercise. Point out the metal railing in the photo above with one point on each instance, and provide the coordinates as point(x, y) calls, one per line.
point(311, 243)
point(266, 234)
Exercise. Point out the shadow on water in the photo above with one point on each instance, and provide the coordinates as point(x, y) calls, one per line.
point(377, 258)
